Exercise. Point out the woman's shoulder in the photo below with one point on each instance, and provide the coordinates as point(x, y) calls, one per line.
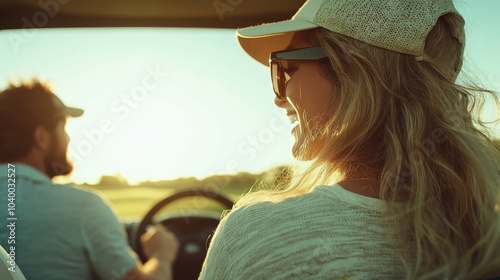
point(323, 205)
point(320, 198)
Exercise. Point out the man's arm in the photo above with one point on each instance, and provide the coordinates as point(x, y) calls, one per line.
point(108, 250)
point(161, 248)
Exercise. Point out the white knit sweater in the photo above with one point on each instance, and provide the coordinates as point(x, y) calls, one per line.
point(328, 233)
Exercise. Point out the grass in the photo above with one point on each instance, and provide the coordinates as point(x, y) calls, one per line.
point(131, 203)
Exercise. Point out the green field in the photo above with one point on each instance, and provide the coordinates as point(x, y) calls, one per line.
point(134, 202)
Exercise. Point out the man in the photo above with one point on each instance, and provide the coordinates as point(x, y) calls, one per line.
point(55, 231)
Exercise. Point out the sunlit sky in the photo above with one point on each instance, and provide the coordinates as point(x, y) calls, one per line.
point(164, 103)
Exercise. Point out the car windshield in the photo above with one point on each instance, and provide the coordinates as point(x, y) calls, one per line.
point(168, 103)
point(160, 104)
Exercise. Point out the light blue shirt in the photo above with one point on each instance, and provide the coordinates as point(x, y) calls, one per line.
point(61, 232)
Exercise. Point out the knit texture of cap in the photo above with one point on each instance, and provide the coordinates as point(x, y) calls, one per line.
point(396, 25)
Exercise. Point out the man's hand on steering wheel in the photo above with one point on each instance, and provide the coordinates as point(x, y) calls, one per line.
point(160, 243)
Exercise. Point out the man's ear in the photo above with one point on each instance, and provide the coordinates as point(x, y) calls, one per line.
point(42, 138)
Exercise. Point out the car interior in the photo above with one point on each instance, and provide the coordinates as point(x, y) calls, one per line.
point(192, 230)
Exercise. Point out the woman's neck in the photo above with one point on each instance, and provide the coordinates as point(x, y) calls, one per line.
point(366, 187)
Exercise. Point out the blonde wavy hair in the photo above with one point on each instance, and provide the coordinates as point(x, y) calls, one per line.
point(417, 134)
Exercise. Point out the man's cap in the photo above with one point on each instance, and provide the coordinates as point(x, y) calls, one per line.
point(63, 110)
point(33, 103)
point(397, 25)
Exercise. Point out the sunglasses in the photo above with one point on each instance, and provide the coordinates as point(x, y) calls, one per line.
point(279, 74)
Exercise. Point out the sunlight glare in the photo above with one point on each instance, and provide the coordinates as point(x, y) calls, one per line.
point(161, 138)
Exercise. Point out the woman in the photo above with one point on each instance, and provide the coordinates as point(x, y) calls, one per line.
point(400, 181)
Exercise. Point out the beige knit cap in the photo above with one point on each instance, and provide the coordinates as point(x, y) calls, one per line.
point(396, 25)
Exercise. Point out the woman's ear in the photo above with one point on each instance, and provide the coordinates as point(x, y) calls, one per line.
point(41, 139)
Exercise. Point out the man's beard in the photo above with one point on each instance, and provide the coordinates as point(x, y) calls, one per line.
point(56, 161)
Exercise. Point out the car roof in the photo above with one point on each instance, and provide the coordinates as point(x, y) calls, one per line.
point(17, 14)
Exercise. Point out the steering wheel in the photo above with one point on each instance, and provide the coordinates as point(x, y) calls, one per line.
point(192, 232)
